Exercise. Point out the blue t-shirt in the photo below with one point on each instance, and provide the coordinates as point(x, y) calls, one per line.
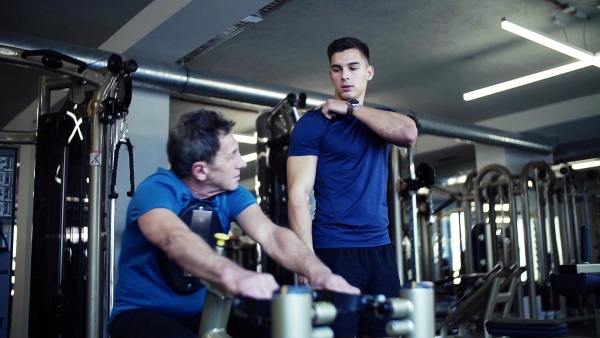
point(141, 284)
point(350, 183)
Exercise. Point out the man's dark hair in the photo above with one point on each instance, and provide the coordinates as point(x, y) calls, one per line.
point(195, 137)
point(342, 44)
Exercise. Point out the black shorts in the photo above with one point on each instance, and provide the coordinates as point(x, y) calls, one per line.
point(375, 272)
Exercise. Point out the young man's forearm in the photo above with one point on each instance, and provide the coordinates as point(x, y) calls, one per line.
point(300, 219)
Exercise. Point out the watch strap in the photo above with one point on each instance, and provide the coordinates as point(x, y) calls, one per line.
point(350, 111)
point(351, 105)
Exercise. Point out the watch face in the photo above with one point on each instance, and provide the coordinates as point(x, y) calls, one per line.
point(353, 102)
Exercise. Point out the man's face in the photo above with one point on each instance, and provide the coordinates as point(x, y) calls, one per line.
point(224, 171)
point(349, 73)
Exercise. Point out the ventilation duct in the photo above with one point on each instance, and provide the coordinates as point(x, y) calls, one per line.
point(178, 79)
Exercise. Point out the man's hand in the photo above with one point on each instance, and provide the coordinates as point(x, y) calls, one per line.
point(332, 282)
point(302, 280)
point(331, 108)
point(252, 284)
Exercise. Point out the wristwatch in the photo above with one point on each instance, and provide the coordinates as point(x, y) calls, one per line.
point(352, 103)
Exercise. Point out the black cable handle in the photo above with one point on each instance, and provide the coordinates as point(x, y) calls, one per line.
point(113, 185)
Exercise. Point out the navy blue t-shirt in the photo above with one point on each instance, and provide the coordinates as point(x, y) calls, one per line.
point(350, 183)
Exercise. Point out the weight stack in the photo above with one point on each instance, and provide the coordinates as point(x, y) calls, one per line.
point(59, 234)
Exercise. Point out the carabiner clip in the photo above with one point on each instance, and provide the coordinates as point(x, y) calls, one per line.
point(124, 130)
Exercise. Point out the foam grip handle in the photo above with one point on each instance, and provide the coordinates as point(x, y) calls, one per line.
point(586, 245)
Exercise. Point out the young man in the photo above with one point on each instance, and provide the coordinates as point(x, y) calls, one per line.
point(206, 165)
point(341, 150)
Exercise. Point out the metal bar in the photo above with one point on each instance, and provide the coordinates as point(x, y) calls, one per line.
point(93, 317)
point(569, 256)
point(466, 188)
point(62, 221)
point(573, 200)
point(416, 231)
point(551, 212)
point(541, 217)
point(490, 259)
point(94, 218)
point(514, 244)
point(111, 138)
point(528, 240)
point(217, 306)
point(43, 99)
point(586, 245)
point(68, 69)
point(426, 234)
point(396, 223)
point(454, 196)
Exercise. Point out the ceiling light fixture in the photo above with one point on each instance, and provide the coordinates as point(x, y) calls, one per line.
point(245, 138)
point(249, 157)
point(547, 41)
point(585, 164)
point(500, 87)
point(585, 58)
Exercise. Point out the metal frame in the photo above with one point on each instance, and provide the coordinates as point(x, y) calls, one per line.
point(104, 81)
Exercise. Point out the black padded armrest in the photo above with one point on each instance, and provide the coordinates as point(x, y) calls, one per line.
point(575, 284)
point(526, 327)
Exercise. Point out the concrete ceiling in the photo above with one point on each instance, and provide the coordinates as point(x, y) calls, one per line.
point(426, 54)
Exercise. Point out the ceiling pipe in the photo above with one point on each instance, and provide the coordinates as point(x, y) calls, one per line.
point(472, 132)
point(178, 79)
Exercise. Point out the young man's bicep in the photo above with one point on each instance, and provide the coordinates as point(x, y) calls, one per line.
point(301, 178)
point(301, 171)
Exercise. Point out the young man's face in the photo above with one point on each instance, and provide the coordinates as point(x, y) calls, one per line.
point(224, 171)
point(349, 73)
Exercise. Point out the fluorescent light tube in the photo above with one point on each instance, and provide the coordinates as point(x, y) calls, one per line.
point(524, 80)
point(250, 157)
point(547, 41)
point(245, 138)
point(585, 58)
point(585, 164)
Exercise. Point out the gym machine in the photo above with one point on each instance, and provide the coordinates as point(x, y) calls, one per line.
point(476, 306)
point(73, 250)
point(8, 175)
point(579, 277)
point(296, 312)
point(537, 182)
point(546, 216)
point(572, 280)
point(417, 222)
point(273, 130)
point(273, 137)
